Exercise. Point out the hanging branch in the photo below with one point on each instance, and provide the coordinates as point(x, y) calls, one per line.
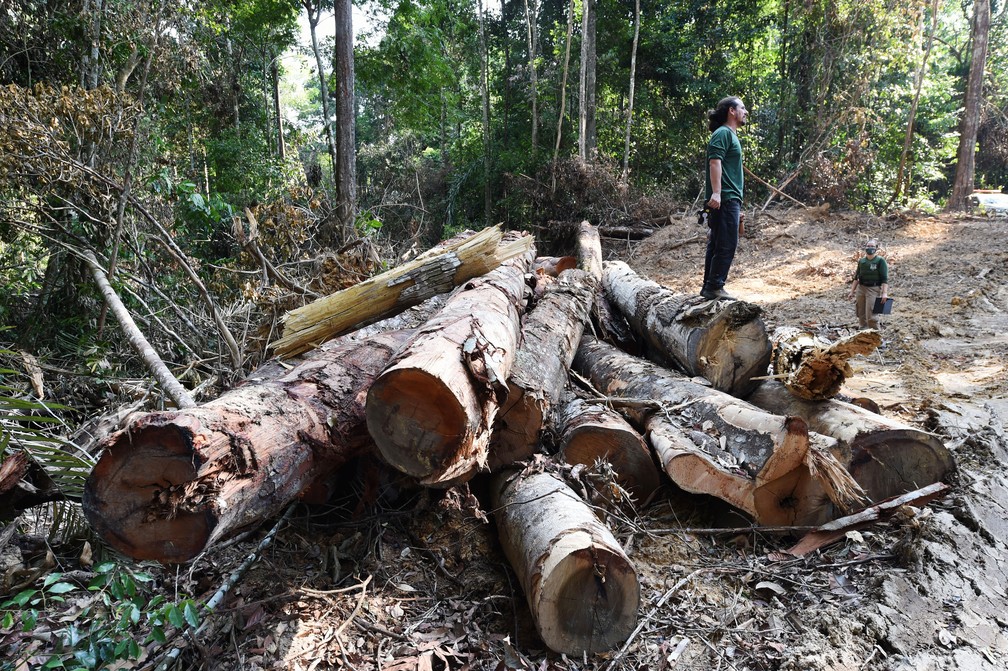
point(171, 386)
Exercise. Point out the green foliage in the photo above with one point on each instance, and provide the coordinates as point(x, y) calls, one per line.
point(92, 626)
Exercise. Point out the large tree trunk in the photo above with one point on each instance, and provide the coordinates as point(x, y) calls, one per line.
point(591, 431)
point(550, 336)
point(586, 118)
point(532, 31)
point(625, 175)
point(313, 8)
point(725, 342)
point(432, 410)
point(581, 587)
point(962, 185)
point(813, 368)
point(713, 443)
point(171, 484)
point(346, 120)
point(884, 456)
point(435, 272)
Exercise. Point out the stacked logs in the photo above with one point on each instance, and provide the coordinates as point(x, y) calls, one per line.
point(479, 380)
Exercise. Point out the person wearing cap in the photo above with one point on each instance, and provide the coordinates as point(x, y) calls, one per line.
point(871, 281)
point(725, 185)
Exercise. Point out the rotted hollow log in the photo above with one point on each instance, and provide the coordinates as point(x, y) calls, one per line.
point(723, 341)
point(172, 484)
point(813, 368)
point(431, 411)
point(581, 588)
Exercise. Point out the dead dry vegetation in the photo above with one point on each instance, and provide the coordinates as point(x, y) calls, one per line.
point(395, 577)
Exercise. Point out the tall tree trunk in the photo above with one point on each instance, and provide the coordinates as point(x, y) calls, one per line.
point(962, 186)
point(630, 96)
point(485, 94)
point(586, 116)
point(346, 122)
point(908, 138)
point(562, 107)
point(532, 32)
point(281, 143)
point(314, 10)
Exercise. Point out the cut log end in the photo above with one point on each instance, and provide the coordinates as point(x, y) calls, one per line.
point(589, 602)
point(888, 463)
point(628, 454)
point(733, 352)
point(130, 498)
point(415, 420)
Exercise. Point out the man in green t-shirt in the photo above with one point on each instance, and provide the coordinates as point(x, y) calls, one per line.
point(725, 187)
point(871, 281)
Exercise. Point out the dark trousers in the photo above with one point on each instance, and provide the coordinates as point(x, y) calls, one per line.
point(721, 243)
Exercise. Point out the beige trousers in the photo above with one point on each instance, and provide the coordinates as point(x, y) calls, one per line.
point(864, 301)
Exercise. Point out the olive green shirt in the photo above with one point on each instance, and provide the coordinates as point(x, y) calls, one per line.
point(724, 144)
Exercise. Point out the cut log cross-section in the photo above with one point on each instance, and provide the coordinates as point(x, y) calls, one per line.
point(590, 431)
point(885, 456)
point(812, 367)
point(581, 588)
point(431, 411)
point(713, 443)
point(171, 484)
point(725, 342)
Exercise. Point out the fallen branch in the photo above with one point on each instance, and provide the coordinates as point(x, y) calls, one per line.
point(171, 386)
point(833, 531)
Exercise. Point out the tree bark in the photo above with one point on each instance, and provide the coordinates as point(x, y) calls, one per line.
point(432, 410)
point(172, 484)
point(713, 443)
point(589, 249)
point(346, 120)
point(550, 335)
point(562, 107)
point(581, 588)
point(586, 117)
point(962, 185)
point(432, 273)
point(813, 368)
point(725, 342)
point(883, 455)
point(485, 97)
point(591, 431)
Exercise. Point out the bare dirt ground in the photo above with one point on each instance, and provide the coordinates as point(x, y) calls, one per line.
point(425, 585)
point(415, 579)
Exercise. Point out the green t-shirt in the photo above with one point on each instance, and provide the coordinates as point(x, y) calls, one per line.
point(872, 272)
point(724, 144)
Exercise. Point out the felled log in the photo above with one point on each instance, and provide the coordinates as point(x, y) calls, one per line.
point(713, 443)
point(885, 456)
point(172, 484)
point(589, 249)
point(581, 588)
point(550, 335)
point(723, 341)
point(590, 431)
point(432, 409)
point(812, 367)
point(435, 272)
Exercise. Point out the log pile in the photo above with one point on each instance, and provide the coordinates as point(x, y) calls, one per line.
point(500, 371)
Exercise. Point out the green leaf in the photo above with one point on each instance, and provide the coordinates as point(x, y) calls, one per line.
point(191, 614)
point(7, 621)
point(61, 588)
point(21, 598)
point(157, 634)
point(51, 578)
point(134, 649)
point(175, 616)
